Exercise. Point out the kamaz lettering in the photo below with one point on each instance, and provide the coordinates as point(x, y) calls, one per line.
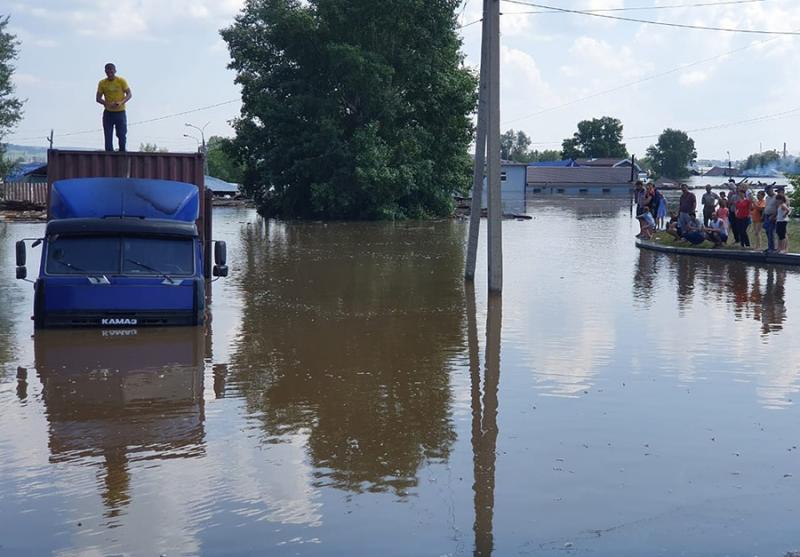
point(120, 321)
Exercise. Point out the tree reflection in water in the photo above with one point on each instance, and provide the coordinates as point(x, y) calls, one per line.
point(122, 396)
point(347, 334)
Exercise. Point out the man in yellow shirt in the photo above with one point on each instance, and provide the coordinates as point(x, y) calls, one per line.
point(113, 93)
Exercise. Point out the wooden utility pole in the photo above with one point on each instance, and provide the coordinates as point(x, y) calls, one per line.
point(480, 152)
point(494, 243)
point(50, 139)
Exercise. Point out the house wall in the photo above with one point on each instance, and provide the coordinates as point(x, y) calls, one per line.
point(605, 190)
point(512, 188)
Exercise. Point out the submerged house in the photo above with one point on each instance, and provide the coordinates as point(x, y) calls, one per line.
point(580, 180)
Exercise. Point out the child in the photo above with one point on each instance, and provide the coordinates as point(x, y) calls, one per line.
point(722, 213)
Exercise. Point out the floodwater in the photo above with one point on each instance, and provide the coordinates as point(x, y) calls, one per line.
point(352, 397)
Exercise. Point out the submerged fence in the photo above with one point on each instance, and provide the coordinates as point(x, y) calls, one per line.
point(32, 192)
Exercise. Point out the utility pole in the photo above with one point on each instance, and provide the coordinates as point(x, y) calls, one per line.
point(50, 139)
point(480, 153)
point(202, 144)
point(495, 236)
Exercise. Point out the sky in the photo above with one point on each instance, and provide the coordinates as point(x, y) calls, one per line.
point(556, 70)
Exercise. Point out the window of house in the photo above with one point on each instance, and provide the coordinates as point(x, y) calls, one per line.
point(503, 177)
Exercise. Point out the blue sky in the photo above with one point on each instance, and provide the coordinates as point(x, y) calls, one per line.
point(175, 61)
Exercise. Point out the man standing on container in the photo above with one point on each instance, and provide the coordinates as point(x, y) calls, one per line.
point(686, 206)
point(113, 93)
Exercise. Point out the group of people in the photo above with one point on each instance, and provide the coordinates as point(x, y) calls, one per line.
point(737, 213)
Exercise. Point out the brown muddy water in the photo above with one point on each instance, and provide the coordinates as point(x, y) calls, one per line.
point(352, 397)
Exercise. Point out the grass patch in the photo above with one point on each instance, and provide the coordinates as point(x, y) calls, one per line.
point(793, 232)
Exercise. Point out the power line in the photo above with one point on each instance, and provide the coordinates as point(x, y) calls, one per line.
point(156, 119)
point(651, 22)
point(641, 80)
point(640, 8)
point(703, 129)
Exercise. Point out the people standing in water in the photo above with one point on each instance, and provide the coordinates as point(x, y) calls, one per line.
point(781, 222)
point(757, 216)
point(113, 93)
point(709, 203)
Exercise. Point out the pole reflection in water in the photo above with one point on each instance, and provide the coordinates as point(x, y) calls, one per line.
point(116, 396)
point(484, 416)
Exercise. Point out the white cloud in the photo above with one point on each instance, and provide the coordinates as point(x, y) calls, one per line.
point(26, 79)
point(693, 77)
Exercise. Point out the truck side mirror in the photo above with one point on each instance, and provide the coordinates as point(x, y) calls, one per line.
point(220, 253)
point(22, 273)
point(220, 271)
point(21, 259)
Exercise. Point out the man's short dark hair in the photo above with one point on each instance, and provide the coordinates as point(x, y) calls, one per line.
point(109, 66)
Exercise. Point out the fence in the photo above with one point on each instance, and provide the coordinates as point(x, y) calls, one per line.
point(32, 192)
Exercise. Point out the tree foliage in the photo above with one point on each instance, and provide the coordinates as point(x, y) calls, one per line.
point(352, 108)
point(761, 160)
point(221, 160)
point(673, 154)
point(515, 146)
point(152, 148)
point(596, 138)
point(10, 106)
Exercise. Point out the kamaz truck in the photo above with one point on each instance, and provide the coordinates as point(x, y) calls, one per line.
point(124, 251)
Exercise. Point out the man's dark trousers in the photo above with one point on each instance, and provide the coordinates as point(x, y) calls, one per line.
point(116, 120)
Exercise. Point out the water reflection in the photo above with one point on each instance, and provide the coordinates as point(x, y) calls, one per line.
point(347, 335)
point(118, 396)
point(484, 418)
point(750, 292)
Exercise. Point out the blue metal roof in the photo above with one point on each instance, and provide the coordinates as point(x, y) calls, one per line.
point(124, 197)
point(220, 186)
point(26, 170)
point(554, 164)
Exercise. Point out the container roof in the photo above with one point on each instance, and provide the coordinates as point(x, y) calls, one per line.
point(124, 197)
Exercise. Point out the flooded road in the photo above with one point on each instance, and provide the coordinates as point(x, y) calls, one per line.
point(352, 397)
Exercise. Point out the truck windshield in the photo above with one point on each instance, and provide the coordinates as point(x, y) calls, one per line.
point(114, 256)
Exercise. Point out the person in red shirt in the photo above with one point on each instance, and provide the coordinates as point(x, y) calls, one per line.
point(744, 205)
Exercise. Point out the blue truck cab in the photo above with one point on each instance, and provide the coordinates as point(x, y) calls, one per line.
point(122, 252)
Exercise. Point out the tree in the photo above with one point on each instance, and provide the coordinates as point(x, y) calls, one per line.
point(152, 148)
point(352, 108)
point(596, 138)
point(221, 161)
point(10, 106)
point(515, 146)
point(673, 154)
point(762, 161)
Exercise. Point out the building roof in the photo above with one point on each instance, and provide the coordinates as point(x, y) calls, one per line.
point(27, 169)
point(721, 171)
point(579, 175)
point(564, 163)
point(220, 186)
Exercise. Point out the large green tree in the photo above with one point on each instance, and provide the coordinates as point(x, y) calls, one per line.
point(10, 106)
point(221, 161)
point(596, 138)
point(352, 108)
point(673, 154)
